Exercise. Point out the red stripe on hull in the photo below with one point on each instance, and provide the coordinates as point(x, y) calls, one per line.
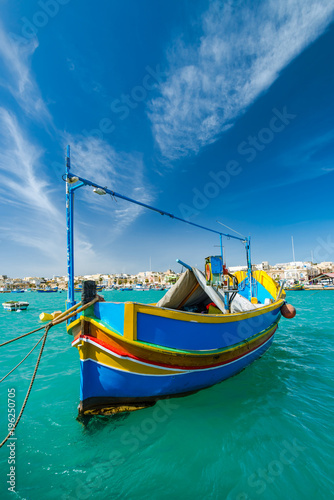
point(123, 353)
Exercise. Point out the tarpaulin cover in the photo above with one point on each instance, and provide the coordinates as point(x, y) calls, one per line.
point(185, 294)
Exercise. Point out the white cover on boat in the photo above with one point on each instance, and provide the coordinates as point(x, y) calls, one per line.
point(214, 295)
point(204, 294)
point(241, 304)
point(180, 291)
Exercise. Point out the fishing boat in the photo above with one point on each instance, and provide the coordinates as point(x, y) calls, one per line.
point(208, 327)
point(295, 288)
point(141, 288)
point(15, 305)
point(47, 290)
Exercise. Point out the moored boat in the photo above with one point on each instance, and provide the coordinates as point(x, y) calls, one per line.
point(47, 290)
point(295, 288)
point(15, 305)
point(208, 327)
point(292, 285)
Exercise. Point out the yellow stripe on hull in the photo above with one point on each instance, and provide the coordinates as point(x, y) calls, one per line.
point(90, 350)
point(164, 355)
point(203, 318)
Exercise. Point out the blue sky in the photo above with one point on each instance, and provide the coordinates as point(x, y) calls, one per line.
point(212, 110)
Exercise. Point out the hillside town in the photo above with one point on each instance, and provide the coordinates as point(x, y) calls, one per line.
point(302, 272)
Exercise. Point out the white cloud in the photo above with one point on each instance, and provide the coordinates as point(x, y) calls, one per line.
point(19, 79)
point(32, 215)
point(19, 162)
point(34, 218)
point(97, 161)
point(240, 51)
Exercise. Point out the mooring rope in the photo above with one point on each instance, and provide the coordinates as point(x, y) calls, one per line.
point(44, 326)
point(21, 336)
point(20, 363)
point(47, 328)
point(60, 319)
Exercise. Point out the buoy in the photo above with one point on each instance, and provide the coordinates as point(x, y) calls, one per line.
point(45, 317)
point(288, 311)
point(49, 317)
point(55, 314)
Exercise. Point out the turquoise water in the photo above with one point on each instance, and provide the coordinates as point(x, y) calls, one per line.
point(267, 433)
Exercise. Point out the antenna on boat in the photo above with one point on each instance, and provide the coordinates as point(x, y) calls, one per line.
point(293, 250)
point(249, 266)
point(246, 241)
point(69, 229)
point(230, 228)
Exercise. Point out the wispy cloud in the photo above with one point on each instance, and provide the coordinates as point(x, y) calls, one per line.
point(18, 78)
point(305, 161)
point(24, 186)
point(35, 218)
point(309, 159)
point(240, 51)
point(98, 161)
point(19, 161)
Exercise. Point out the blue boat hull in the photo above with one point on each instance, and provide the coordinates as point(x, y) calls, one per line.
point(104, 382)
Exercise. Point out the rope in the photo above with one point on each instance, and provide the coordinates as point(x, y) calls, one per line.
point(21, 336)
point(61, 318)
point(44, 326)
point(69, 310)
point(317, 291)
point(47, 328)
point(3, 378)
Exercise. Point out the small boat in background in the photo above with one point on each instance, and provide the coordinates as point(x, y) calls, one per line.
point(15, 305)
point(139, 287)
point(293, 286)
point(47, 290)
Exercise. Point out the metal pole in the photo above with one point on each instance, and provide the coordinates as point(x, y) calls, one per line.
point(69, 231)
point(249, 266)
point(293, 250)
point(87, 182)
point(105, 190)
